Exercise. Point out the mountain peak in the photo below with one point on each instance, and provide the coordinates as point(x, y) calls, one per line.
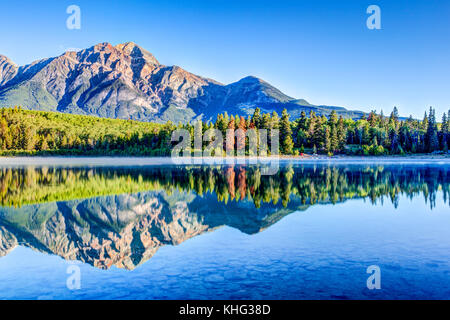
point(126, 81)
point(5, 59)
point(251, 79)
point(102, 46)
point(128, 44)
point(8, 69)
point(135, 51)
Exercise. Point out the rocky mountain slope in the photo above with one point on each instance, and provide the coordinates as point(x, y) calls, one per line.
point(127, 82)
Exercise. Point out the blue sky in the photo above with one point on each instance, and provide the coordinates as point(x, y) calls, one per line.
point(319, 50)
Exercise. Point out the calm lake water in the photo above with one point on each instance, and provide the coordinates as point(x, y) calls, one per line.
point(160, 231)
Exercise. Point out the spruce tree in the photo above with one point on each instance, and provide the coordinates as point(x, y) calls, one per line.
point(303, 121)
point(275, 123)
point(342, 133)
point(333, 118)
point(444, 130)
point(395, 145)
point(256, 118)
point(318, 136)
point(327, 140)
point(311, 127)
point(424, 124)
point(432, 141)
point(448, 122)
point(287, 144)
point(265, 123)
point(334, 141)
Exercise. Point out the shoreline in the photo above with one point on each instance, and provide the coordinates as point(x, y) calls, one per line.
point(155, 161)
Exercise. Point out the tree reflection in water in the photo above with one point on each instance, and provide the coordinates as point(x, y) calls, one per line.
point(121, 216)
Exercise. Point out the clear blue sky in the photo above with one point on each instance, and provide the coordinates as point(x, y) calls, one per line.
point(319, 50)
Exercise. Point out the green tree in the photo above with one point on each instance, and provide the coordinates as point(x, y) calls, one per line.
point(341, 133)
point(431, 140)
point(287, 144)
point(275, 123)
point(256, 118)
point(265, 123)
point(327, 141)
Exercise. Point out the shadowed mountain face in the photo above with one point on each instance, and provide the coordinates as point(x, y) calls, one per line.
point(127, 82)
point(77, 214)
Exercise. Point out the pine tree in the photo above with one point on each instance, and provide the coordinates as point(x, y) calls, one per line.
point(448, 128)
point(311, 127)
point(393, 119)
point(444, 128)
point(432, 141)
point(395, 145)
point(198, 138)
point(394, 114)
point(265, 123)
point(424, 124)
point(248, 122)
point(43, 144)
point(444, 131)
point(333, 118)
point(237, 121)
point(27, 137)
point(342, 133)
point(327, 141)
point(4, 133)
point(256, 118)
point(319, 133)
point(275, 123)
point(382, 119)
point(372, 119)
point(287, 144)
point(334, 141)
point(448, 122)
point(366, 139)
point(303, 121)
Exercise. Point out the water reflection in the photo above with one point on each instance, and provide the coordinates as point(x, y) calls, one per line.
point(121, 216)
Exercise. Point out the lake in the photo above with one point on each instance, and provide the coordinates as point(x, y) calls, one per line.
point(146, 229)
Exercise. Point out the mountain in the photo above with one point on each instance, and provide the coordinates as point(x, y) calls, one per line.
point(127, 82)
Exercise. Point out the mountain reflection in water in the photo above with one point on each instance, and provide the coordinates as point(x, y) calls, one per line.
point(120, 216)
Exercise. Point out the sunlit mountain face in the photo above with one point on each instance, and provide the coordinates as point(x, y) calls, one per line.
point(120, 216)
point(127, 82)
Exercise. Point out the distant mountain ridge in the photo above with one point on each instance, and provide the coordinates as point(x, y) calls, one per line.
point(127, 82)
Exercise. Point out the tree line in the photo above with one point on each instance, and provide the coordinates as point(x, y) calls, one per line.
point(37, 132)
point(373, 134)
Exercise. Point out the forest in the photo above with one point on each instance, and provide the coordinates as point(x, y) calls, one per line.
point(24, 132)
